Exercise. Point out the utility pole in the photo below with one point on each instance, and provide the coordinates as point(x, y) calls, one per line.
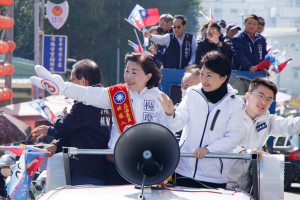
point(9, 35)
point(37, 92)
point(118, 50)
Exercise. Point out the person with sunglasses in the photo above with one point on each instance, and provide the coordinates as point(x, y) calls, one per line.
point(261, 25)
point(259, 124)
point(180, 46)
point(248, 47)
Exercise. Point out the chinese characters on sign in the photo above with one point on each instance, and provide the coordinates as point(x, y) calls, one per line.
point(55, 53)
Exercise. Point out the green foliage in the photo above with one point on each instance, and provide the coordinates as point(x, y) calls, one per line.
point(95, 26)
point(23, 29)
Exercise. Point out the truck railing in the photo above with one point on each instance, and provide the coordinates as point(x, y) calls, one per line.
point(72, 152)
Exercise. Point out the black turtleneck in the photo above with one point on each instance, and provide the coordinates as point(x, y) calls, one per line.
point(216, 95)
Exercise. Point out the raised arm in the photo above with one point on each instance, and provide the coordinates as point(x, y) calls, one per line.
point(55, 85)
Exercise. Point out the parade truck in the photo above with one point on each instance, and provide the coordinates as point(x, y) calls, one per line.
point(147, 154)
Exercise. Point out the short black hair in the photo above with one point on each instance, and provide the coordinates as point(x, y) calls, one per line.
point(159, 29)
point(215, 25)
point(148, 65)
point(166, 17)
point(182, 17)
point(89, 70)
point(261, 18)
point(251, 16)
point(265, 82)
point(218, 63)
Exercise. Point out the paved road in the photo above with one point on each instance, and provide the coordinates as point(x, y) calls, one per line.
point(294, 193)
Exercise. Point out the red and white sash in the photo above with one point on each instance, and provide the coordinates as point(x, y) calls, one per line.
point(121, 105)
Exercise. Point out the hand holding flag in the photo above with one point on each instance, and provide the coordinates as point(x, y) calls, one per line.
point(269, 60)
point(141, 18)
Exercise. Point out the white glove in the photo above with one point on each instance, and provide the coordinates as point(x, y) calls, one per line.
point(52, 83)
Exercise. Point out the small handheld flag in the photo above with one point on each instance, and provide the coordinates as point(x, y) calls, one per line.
point(23, 172)
point(43, 109)
point(280, 67)
point(149, 16)
point(136, 49)
point(135, 17)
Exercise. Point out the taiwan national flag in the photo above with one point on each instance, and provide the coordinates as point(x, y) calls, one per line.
point(135, 17)
point(281, 66)
point(23, 172)
point(150, 16)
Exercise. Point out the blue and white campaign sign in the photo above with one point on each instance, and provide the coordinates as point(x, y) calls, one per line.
point(55, 53)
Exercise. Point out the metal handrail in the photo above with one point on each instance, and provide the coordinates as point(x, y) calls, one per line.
point(72, 151)
point(245, 156)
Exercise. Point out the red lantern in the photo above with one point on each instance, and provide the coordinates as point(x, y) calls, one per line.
point(3, 47)
point(1, 95)
point(8, 69)
point(6, 94)
point(6, 22)
point(10, 93)
point(11, 45)
point(2, 70)
point(6, 2)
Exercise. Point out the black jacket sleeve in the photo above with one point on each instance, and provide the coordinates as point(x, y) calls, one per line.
point(71, 122)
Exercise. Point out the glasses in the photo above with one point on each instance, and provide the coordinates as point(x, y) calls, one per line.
point(176, 27)
point(263, 97)
point(261, 23)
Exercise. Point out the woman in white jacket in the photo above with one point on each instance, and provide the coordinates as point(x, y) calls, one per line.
point(211, 117)
point(141, 79)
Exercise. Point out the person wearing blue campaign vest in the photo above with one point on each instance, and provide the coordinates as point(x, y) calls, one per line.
point(180, 46)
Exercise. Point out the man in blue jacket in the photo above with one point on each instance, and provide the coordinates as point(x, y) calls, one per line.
point(248, 47)
point(180, 46)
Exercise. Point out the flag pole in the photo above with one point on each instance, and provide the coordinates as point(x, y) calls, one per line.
point(204, 15)
point(138, 39)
